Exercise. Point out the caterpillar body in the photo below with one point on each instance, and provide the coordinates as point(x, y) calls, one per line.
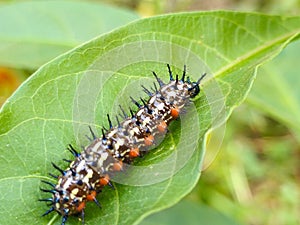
point(94, 167)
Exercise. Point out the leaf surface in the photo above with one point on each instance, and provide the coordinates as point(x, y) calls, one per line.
point(54, 107)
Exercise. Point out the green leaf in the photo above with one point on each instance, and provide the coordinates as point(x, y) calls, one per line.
point(33, 32)
point(188, 213)
point(54, 107)
point(282, 77)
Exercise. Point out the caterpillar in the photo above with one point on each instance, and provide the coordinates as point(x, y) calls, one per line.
point(93, 168)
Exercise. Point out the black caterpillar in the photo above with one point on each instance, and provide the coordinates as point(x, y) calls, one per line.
point(93, 168)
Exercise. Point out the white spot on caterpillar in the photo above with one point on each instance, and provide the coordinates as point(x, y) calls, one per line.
point(103, 157)
point(96, 146)
point(88, 176)
point(75, 191)
point(81, 166)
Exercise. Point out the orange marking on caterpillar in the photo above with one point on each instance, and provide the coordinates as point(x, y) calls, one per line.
point(134, 152)
point(104, 180)
point(162, 127)
point(91, 196)
point(174, 112)
point(149, 140)
point(118, 166)
point(80, 207)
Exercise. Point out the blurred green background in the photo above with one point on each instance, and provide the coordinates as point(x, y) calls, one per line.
point(255, 178)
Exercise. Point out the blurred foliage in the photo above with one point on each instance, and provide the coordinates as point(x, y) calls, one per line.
point(9, 81)
point(255, 179)
point(187, 212)
point(282, 76)
point(153, 7)
point(46, 29)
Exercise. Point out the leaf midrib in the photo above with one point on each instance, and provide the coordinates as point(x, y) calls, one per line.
point(256, 51)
